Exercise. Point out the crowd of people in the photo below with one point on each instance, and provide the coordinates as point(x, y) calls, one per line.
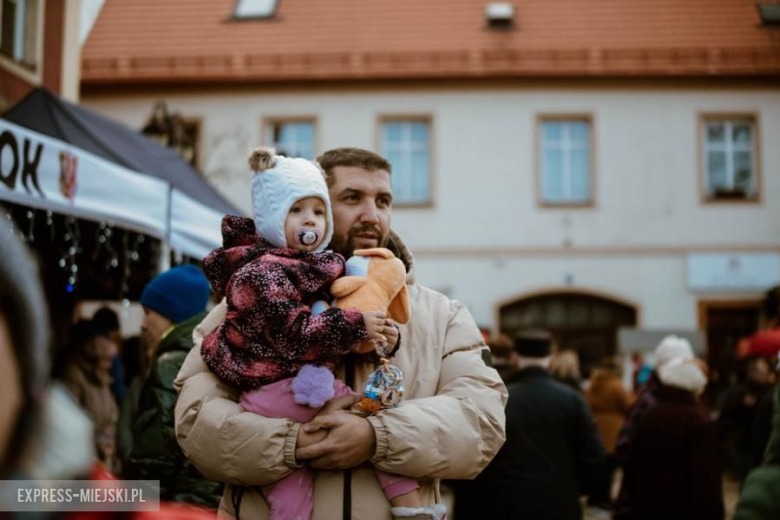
point(671, 448)
point(217, 402)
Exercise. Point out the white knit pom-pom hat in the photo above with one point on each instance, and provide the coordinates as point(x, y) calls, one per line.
point(672, 347)
point(278, 183)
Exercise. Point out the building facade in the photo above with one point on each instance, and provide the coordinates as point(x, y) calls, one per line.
point(581, 183)
point(39, 46)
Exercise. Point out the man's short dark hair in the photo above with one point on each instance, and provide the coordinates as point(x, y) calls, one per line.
point(356, 157)
point(105, 319)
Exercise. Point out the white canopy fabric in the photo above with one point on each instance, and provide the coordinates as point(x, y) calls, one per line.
point(47, 173)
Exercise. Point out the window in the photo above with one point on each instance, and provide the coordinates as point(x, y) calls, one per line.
point(255, 8)
point(730, 171)
point(565, 164)
point(770, 13)
point(292, 138)
point(18, 31)
point(406, 144)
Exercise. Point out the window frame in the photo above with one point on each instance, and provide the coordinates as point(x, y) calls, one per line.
point(412, 118)
point(31, 73)
point(266, 133)
point(542, 118)
point(703, 176)
point(238, 18)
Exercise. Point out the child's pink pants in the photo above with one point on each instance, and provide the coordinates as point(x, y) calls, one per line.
point(291, 498)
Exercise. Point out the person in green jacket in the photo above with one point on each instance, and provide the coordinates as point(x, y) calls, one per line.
point(174, 304)
point(760, 498)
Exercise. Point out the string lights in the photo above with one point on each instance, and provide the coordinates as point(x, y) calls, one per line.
point(68, 261)
point(88, 259)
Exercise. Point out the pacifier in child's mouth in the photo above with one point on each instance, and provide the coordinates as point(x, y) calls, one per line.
point(307, 236)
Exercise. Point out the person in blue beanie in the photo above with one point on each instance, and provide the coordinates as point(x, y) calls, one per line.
point(174, 304)
point(171, 298)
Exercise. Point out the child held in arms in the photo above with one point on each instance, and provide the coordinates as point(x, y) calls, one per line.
point(270, 344)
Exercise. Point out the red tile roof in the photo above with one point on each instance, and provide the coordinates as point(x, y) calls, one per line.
point(198, 40)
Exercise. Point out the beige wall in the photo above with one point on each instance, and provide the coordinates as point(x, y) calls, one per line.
point(647, 192)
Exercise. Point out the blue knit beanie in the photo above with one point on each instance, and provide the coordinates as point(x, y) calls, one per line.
point(177, 294)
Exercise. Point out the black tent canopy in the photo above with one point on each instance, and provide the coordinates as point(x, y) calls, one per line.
point(48, 114)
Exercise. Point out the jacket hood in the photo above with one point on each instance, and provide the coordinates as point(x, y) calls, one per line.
point(399, 249)
point(240, 245)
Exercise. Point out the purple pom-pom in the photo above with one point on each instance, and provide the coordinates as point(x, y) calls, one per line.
point(313, 386)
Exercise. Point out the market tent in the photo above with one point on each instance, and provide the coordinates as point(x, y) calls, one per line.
point(59, 156)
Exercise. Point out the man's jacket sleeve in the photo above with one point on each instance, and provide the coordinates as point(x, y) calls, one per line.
point(224, 443)
point(455, 433)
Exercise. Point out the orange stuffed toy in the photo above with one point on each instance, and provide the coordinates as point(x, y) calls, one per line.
point(375, 281)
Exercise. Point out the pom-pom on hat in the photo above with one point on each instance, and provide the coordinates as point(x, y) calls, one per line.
point(277, 184)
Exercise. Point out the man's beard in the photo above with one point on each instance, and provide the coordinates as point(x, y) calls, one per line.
point(345, 246)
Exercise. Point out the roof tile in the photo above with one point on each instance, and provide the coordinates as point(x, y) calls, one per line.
point(175, 40)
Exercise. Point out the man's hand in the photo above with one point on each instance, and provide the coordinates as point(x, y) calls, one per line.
point(391, 333)
point(342, 403)
point(351, 441)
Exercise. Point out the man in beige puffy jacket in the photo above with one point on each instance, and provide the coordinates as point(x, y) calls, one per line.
point(450, 424)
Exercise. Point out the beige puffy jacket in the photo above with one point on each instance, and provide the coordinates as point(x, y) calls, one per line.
point(450, 424)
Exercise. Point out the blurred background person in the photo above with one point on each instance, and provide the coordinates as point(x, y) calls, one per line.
point(739, 407)
point(760, 495)
point(671, 347)
point(88, 377)
point(43, 433)
point(763, 345)
point(552, 447)
point(565, 368)
point(107, 321)
point(503, 355)
point(135, 366)
point(610, 402)
point(670, 466)
point(174, 304)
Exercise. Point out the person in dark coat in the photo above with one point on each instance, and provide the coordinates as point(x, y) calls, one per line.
point(174, 304)
point(552, 445)
point(760, 497)
point(672, 470)
point(107, 321)
point(741, 411)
